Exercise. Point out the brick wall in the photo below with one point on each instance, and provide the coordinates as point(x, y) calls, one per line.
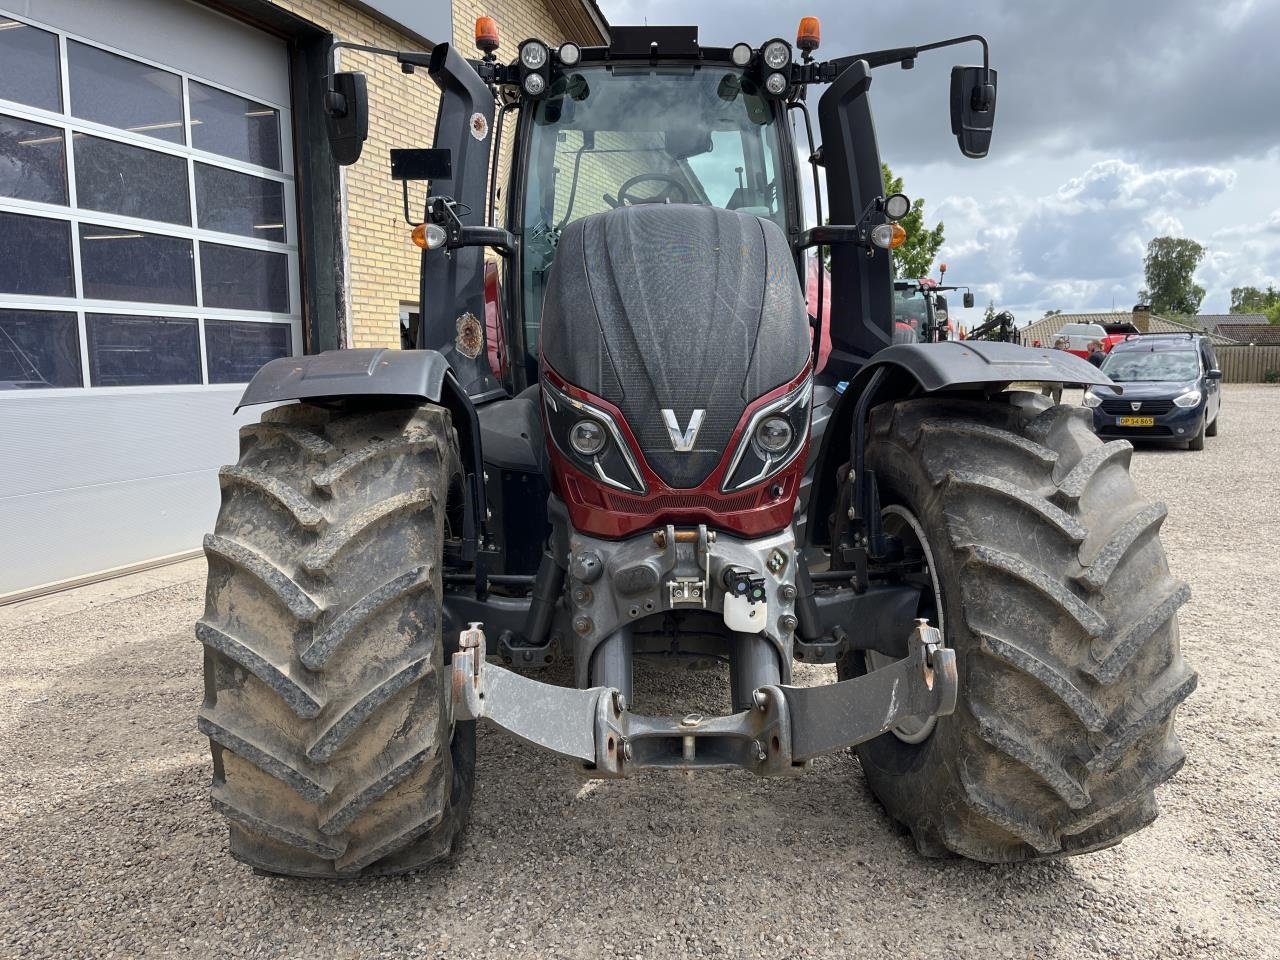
point(383, 262)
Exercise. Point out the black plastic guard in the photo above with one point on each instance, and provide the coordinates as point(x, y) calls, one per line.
point(379, 372)
point(911, 369)
point(973, 363)
point(351, 373)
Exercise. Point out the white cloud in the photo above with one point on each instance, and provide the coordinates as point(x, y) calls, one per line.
point(1080, 247)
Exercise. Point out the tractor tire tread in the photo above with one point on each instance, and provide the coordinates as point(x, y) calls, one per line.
point(1062, 611)
point(326, 698)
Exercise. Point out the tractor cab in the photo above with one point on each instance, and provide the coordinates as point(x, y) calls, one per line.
point(921, 312)
point(605, 138)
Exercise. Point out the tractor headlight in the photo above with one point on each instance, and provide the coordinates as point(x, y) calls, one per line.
point(533, 55)
point(774, 435)
point(776, 84)
point(773, 439)
point(1189, 399)
point(569, 54)
point(776, 54)
point(1091, 399)
point(589, 438)
point(534, 84)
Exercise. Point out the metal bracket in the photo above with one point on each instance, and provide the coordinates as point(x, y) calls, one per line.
point(840, 715)
point(787, 726)
point(560, 719)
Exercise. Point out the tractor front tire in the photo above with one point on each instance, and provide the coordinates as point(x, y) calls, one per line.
point(1057, 598)
point(327, 702)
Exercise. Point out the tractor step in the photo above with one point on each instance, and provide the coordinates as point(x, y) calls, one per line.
point(786, 727)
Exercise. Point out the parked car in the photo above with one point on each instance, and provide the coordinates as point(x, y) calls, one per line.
point(1080, 335)
point(1172, 390)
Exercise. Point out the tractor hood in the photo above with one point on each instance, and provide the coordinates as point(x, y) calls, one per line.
point(667, 309)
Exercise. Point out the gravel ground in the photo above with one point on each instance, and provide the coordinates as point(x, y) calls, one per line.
point(111, 849)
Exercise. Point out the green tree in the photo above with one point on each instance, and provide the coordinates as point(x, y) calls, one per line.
point(1253, 300)
point(915, 257)
point(990, 313)
point(1170, 264)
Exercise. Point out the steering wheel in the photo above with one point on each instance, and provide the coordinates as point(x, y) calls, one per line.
point(625, 199)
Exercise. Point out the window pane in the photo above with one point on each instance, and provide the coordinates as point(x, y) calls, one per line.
point(236, 349)
point(244, 279)
point(124, 93)
point(238, 203)
point(35, 256)
point(33, 165)
point(38, 349)
point(137, 351)
point(29, 65)
point(224, 123)
point(128, 265)
point(117, 178)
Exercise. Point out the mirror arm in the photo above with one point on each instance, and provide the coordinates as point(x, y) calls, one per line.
point(408, 59)
point(499, 239)
point(827, 71)
point(444, 211)
point(830, 233)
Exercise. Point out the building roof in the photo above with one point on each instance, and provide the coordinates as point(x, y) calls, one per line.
point(1209, 321)
point(1045, 328)
point(585, 18)
point(1264, 333)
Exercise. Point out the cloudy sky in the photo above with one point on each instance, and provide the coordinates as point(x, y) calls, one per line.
point(1116, 122)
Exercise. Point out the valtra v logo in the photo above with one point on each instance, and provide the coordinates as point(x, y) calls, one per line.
point(683, 441)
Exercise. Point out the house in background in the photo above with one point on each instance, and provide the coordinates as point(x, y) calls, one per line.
point(1045, 329)
point(171, 219)
point(1241, 327)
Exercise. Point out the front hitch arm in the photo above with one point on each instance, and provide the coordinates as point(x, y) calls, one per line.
point(787, 726)
point(838, 715)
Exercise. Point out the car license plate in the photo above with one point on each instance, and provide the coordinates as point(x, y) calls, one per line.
point(1137, 421)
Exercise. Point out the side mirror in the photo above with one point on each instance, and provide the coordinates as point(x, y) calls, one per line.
point(973, 109)
point(1214, 374)
point(968, 300)
point(346, 109)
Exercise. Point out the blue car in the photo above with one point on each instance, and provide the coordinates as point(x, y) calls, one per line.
point(1172, 390)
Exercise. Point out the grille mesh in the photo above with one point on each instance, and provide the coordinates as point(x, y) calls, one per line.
point(1120, 407)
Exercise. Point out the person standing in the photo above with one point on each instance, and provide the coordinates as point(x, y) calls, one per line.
point(1096, 356)
point(1054, 390)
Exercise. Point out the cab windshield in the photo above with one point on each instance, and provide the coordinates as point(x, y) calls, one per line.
point(626, 134)
point(1133, 366)
point(911, 306)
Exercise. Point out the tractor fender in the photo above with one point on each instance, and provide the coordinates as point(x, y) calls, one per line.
point(413, 375)
point(909, 370)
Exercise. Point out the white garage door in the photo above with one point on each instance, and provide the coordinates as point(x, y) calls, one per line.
point(148, 266)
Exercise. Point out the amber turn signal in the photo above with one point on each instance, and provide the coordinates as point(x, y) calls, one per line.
point(486, 34)
point(898, 236)
point(429, 236)
point(809, 34)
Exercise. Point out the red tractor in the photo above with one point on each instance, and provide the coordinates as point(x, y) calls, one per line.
point(637, 456)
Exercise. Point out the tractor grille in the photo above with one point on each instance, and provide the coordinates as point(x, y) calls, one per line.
point(680, 501)
point(1120, 407)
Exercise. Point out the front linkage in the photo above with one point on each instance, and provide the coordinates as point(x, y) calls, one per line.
point(787, 726)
